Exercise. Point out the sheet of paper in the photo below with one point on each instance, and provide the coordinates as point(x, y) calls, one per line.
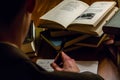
point(45, 64)
point(91, 66)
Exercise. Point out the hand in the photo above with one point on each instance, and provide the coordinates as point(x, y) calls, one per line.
point(110, 41)
point(69, 64)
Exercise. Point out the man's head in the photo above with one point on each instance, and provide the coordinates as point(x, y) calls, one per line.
point(9, 9)
point(15, 17)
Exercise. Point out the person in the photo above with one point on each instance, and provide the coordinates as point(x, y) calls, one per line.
point(116, 50)
point(15, 17)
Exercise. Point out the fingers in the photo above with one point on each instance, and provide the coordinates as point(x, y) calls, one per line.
point(64, 56)
point(68, 63)
point(61, 58)
point(71, 66)
point(56, 67)
point(110, 41)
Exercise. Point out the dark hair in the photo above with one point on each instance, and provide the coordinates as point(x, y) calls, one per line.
point(9, 9)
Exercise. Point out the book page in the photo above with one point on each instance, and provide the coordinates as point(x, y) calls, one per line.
point(96, 31)
point(65, 12)
point(90, 66)
point(104, 20)
point(95, 13)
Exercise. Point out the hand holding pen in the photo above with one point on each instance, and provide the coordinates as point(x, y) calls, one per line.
point(58, 58)
point(63, 62)
point(68, 64)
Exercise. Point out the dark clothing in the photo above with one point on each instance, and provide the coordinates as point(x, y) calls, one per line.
point(14, 65)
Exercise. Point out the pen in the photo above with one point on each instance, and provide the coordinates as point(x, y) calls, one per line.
point(58, 58)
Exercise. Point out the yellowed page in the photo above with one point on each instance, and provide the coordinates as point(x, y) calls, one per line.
point(95, 13)
point(65, 12)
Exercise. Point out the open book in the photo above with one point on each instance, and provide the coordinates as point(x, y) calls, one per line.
point(78, 16)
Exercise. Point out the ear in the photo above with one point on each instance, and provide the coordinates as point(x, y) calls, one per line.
point(30, 5)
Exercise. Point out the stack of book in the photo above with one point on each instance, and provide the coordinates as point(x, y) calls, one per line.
point(76, 22)
point(56, 41)
point(28, 46)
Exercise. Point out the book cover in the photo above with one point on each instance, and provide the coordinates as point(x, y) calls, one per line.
point(60, 33)
point(71, 48)
point(28, 47)
point(93, 41)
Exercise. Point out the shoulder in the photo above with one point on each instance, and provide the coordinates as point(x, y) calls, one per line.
point(15, 64)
